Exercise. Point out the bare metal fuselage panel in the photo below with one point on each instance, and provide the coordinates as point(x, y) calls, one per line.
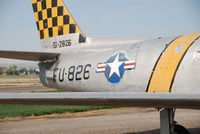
point(68, 72)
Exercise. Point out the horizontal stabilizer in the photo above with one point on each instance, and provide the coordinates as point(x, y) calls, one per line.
point(154, 100)
point(31, 56)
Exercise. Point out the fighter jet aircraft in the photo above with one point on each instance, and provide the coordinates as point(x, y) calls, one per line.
point(162, 73)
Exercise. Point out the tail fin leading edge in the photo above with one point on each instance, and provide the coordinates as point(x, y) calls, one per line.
point(56, 27)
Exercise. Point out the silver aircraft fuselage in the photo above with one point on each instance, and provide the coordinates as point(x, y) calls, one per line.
point(89, 68)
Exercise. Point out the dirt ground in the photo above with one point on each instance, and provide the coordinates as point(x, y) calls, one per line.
point(11, 82)
point(16, 85)
point(113, 121)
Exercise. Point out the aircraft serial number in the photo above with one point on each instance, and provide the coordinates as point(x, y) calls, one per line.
point(77, 73)
point(63, 43)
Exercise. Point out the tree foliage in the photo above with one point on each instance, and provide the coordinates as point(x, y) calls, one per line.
point(1, 70)
point(12, 70)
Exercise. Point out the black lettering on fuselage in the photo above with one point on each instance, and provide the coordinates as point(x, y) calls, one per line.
point(77, 73)
point(61, 74)
point(54, 75)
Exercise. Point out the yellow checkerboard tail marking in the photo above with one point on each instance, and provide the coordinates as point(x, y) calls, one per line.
point(167, 65)
point(53, 19)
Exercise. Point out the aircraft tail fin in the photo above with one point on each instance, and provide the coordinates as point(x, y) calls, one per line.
point(56, 26)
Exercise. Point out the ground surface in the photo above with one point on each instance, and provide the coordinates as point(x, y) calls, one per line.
point(22, 84)
point(115, 121)
point(27, 80)
point(24, 89)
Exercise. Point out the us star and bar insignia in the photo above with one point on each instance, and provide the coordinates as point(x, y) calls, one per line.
point(115, 66)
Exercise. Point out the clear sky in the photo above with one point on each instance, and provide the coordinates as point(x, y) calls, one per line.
point(126, 19)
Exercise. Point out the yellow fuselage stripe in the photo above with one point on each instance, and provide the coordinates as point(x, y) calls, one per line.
point(165, 70)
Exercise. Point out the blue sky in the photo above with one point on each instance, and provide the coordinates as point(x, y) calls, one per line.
point(126, 19)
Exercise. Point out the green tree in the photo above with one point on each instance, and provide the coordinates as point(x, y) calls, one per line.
point(12, 70)
point(1, 70)
point(32, 71)
point(23, 70)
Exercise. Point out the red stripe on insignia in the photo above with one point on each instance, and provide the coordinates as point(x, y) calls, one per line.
point(101, 67)
point(129, 64)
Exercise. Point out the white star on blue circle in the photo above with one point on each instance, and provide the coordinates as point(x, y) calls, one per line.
point(114, 69)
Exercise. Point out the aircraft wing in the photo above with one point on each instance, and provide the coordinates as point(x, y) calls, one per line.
point(31, 56)
point(155, 100)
